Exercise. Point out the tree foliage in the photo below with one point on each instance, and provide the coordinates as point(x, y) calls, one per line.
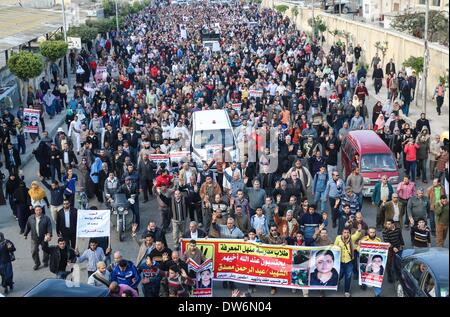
point(108, 8)
point(25, 65)
point(416, 63)
point(86, 33)
point(294, 11)
point(282, 8)
point(413, 23)
point(53, 50)
point(102, 25)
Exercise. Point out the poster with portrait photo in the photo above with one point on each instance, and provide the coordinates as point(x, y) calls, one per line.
point(31, 120)
point(324, 266)
point(203, 278)
point(372, 263)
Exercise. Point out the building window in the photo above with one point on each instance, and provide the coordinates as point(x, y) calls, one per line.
point(436, 3)
point(422, 2)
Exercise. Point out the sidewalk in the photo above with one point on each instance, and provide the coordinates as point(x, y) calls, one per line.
point(50, 125)
point(438, 124)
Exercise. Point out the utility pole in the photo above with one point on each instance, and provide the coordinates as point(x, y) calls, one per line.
point(314, 22)
point(64, 20)
point(340, 7)
point(117, 18)
point(65, 75)
point(425, 58)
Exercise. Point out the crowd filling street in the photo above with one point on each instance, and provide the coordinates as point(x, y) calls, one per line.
point(271, 79)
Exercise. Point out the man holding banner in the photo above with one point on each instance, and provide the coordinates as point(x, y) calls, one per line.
point(371, 237)
point(372, 261)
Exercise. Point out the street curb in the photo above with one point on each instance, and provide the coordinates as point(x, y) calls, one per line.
point(27, 157)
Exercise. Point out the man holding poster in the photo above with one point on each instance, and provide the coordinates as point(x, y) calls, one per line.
point(93, 223)
point(372, 262)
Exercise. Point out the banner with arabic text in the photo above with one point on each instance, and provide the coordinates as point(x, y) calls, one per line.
point(372, 262)
point(272, 265)
point(93, 223)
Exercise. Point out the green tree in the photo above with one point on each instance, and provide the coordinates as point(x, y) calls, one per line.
point(383, 48)
point(86, 33)
point(282, 8)
point(108, 8)
point(295, 12)
point(416, 63)
point(413, 23)
point(53, 50)
point(102, 25)
point(25, 66)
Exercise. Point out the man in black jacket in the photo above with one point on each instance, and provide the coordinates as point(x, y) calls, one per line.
point(12, 160)
point(178, 208)
point(56, 197)
point(131, 192)
point(39, 225)
point(194, 232)
point(146, 176)
point(60, 255)
point(377, 77)
point(66, 223)
point(193, 200)
point(390, 67)
point(55, 162)
point(68, 157)
point(157, 233)
point(133, 141)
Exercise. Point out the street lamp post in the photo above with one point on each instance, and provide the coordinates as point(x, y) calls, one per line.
point(425, 57)
point(117, 17)
point(65, 39)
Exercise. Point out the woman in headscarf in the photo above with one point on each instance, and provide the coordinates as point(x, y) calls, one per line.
point(93, 180)
point(38, 196)
point(6, 257)
point(42, 154)
point(395, 144)
point(23, 203)
point(378, 127)
point(83, 168)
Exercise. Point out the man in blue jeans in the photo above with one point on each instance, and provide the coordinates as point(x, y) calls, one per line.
point(347, 244)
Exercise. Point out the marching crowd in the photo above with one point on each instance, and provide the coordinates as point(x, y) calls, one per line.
point(154, 78)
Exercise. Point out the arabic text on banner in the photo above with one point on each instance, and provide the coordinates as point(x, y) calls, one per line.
point(272, 265)
point(93, 223)
point(372, 262)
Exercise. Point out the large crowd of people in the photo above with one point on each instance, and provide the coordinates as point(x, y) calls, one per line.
point(154, 76)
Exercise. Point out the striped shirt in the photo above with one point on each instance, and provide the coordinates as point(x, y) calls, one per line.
point(420, 237)
point(394, 237)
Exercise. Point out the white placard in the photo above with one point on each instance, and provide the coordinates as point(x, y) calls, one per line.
point(74, 42)
point(93, 223)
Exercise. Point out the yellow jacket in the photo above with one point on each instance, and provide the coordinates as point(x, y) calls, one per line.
point(346, 250)
point(367, 238)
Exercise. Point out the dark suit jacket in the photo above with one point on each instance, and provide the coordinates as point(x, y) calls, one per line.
point(200, 233)
point(16, 158)
point(45, 226)
point(132, 140)
point(146, 171)
point(61, 223)
point(133, 190)
point(72, 157)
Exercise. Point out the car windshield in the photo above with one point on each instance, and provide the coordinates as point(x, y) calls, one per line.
point(205, 138)
point(378, 163)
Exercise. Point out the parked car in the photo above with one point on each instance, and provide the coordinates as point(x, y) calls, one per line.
point(346, 6)
point(52, 287)
point(422, 272)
